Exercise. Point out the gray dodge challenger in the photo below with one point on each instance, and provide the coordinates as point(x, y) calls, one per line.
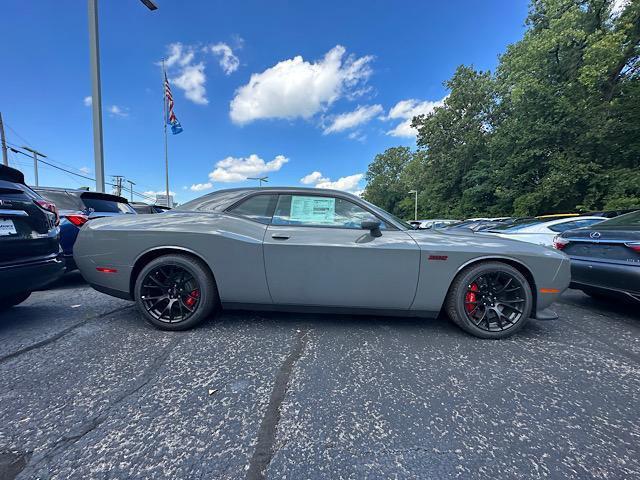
point(306, 249)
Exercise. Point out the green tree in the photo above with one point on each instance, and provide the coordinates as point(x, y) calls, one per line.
point(555, 128)
point(386, 186)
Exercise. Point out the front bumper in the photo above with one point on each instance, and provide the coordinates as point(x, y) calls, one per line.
point(30, 275)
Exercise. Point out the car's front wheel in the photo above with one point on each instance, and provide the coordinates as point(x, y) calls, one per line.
point(175, 292)
point(490, 300)
point(12, 300)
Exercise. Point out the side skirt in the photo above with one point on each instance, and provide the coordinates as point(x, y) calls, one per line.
point(332, 310)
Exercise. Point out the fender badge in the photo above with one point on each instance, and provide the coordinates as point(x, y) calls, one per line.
point(438, 257)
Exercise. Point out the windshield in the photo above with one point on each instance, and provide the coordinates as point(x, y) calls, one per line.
point(107, 206)
point(510, 228)
point(382, 212)
point(628, 220)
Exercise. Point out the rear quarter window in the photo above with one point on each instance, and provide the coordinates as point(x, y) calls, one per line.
point(258, 208)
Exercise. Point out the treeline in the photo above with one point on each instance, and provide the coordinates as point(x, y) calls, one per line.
point(556, 128)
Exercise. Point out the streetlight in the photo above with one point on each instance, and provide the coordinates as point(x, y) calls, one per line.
point(260, 179)
point(416, 204)
point(96, 90)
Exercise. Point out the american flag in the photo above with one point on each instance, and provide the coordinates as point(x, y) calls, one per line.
point(171, 119)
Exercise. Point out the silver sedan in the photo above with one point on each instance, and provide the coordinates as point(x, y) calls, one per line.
point(314, 250)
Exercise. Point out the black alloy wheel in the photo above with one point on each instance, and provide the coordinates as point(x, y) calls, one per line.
point(170, 293)
point(175, 292)
point(494, 301)
point(490, 300)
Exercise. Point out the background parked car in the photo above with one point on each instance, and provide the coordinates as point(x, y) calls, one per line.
point(141, 207)
point(541, 232)
point(472, 225)
point(76, 207)
point(605, 258)
point(433, 223)
point(29, 248)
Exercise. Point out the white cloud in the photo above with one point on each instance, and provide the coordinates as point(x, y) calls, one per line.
point(357, 135)
point(296, 88)
point(116, 111)
point(406, 110)
point(153, 193)
point(228, 61)
point(350, 183)
point(232, 169)
point(348, 120)
point(178, 55)
point(198, 187)
point(618, 6)
point(87, 101)
point(192, 79)
point(313, 178)
point(85, 170)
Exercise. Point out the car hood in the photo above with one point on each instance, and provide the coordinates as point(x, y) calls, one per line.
point(480, 243)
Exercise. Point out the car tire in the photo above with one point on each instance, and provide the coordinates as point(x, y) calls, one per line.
point(206, 299)
point(462, 300)
point(13, 300)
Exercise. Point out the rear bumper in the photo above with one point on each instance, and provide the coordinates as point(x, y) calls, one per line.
point(606, 276)
point(29, 276)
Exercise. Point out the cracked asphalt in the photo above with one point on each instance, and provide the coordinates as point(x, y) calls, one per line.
point(88, 390)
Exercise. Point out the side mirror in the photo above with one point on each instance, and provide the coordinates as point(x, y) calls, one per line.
point(373, 226)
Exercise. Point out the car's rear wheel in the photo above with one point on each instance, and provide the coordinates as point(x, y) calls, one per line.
point(175, 292)
point(12, 300)
point(490, 300)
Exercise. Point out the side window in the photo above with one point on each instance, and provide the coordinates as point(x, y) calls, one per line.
point(258, 208)
point(320, 211)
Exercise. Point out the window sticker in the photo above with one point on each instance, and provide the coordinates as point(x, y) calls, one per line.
point(320, 210)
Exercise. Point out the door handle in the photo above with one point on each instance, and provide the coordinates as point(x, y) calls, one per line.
point(277, 236)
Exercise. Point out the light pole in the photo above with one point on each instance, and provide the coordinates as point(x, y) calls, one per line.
point(35, 154)
point(260, 179)
point(96, 90)
point(415, 215)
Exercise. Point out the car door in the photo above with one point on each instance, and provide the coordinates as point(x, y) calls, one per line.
point(316, 253)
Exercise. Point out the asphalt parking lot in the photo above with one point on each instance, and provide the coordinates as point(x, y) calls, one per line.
point(88, 390)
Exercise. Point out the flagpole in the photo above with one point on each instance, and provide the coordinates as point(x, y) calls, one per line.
point(166, 145)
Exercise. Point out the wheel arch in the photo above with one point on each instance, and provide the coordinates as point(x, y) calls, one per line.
point(517, 264)
point(153, 253)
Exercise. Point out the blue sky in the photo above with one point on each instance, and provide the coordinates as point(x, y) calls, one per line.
point(275, 88)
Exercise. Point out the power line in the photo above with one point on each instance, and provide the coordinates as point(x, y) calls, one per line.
point(15, 150)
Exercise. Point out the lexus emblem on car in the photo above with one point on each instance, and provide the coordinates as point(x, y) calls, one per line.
point(595, 235)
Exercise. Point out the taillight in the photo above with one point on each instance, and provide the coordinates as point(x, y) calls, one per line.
point(560, 243)
point(77, 220)
point(635, 246)
point(49, 207)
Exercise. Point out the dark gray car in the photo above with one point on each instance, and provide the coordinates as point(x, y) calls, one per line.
point(309, 250)
point(605, 258)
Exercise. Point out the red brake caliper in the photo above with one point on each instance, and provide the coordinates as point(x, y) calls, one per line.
point(192, 298)
point(471, 297)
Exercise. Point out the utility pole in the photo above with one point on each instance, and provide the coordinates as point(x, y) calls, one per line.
point(131, 184)
point(35, 154)
point(118, 184)
point(3, 140)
